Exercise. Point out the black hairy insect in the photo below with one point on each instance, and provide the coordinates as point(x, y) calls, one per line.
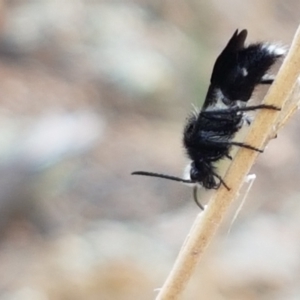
point(209, 134)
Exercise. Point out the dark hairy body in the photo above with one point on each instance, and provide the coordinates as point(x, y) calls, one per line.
point(209, 134)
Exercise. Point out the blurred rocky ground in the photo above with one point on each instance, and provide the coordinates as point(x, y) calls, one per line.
point(93, 90)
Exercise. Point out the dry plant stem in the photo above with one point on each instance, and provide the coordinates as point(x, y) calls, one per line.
point(208, 221)
point(290, 107)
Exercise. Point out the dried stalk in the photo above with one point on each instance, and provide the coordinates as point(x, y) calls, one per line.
point(263, 127)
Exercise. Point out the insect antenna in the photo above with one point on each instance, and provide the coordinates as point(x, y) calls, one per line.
point(143, 173)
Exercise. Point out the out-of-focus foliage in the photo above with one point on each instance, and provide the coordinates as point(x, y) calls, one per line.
point(92, 90)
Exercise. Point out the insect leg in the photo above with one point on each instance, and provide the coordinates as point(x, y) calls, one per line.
point(256, 107)
point(238, 144)
point(222, 181)
point(267, 79)
point(246, 146)
point(238, 109)
point(196, 197)
point(228, 156)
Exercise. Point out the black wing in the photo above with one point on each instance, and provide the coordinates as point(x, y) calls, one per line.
point(239, 68)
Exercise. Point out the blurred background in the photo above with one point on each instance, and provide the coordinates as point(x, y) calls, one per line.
point(93, 90)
